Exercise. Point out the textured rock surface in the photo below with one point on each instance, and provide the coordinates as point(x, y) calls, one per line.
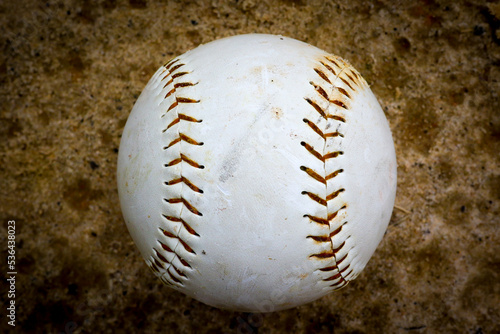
point(71, 71)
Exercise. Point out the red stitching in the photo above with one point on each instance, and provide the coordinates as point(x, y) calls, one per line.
point(174, 272)
point(324, 156)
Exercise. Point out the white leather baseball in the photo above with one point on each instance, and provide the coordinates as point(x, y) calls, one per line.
point(257, 173)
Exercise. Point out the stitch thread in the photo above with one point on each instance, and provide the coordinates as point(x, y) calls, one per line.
point(351, 80)
point(171, 273)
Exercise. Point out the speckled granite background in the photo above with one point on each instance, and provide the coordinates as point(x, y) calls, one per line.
point(70, 72)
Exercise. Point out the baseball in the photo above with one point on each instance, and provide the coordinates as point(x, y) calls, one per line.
point(257, 173)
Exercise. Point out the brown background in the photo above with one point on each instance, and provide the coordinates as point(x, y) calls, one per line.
point(70, 72)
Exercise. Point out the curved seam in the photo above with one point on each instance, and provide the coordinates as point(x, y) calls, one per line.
point(180, 137)
point(342, 281)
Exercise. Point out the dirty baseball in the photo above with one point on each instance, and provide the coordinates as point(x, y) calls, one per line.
point(257, 173)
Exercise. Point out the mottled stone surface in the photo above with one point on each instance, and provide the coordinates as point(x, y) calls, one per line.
point(70, 73)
